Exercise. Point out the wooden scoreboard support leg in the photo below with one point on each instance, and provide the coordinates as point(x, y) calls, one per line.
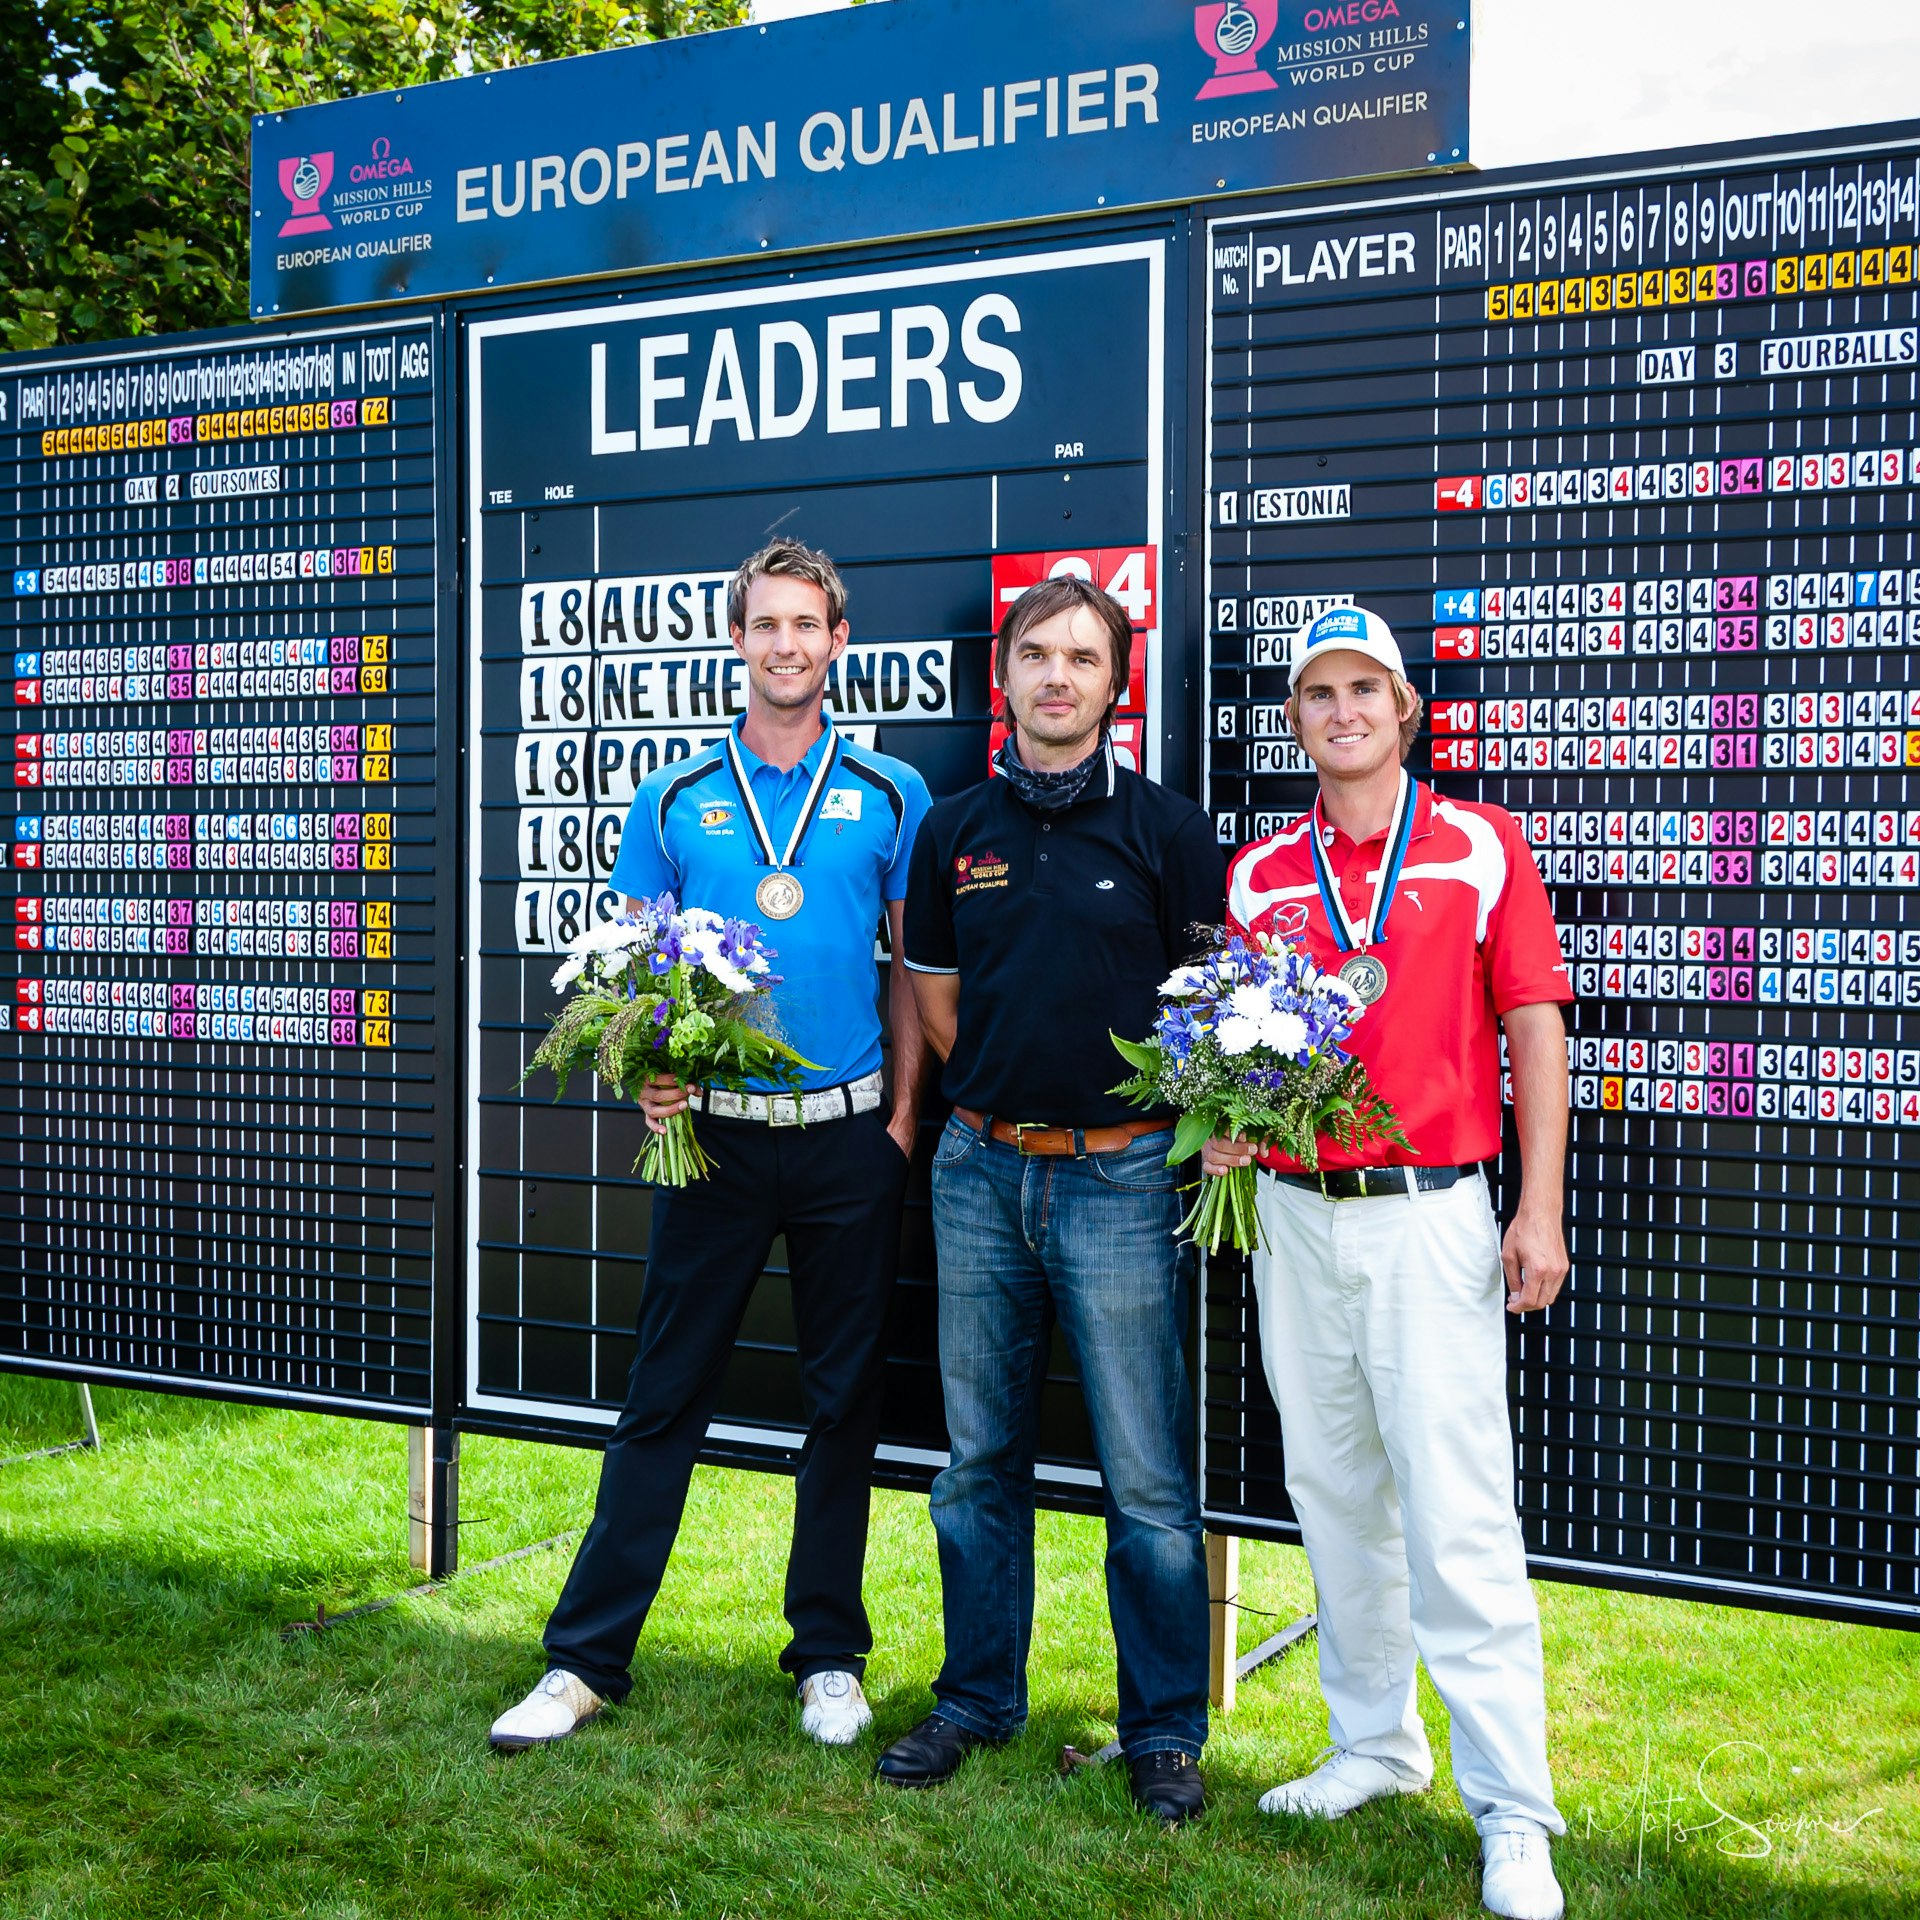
point(1226, 1665)
point(433, 1500)
point(1223, 1590)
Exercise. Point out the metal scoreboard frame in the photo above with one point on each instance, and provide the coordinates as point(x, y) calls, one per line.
point(1644, 523)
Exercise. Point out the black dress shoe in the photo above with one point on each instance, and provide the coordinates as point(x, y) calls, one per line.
point(1167, 1785)
point(929, 1754)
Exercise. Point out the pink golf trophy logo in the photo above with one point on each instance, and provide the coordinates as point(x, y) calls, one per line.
point(1233, 32)
point(304, 181)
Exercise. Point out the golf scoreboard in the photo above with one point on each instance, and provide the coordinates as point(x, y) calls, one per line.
point(215, 1023)
point(1629, 461)
point(953, 430)
point(340, 647)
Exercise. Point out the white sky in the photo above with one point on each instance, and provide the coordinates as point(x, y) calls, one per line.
point(1556, 80)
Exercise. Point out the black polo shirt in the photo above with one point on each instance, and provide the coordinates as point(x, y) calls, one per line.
point(1061, 926)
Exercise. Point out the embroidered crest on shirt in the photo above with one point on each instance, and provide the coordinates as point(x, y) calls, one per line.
point(978, 872)
point(842, 803)
point(716, 817)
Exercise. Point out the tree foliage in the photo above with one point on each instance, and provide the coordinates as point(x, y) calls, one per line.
point(126, 130)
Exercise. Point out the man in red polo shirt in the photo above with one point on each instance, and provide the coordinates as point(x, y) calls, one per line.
point(1381, 1298)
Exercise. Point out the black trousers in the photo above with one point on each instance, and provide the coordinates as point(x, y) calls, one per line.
point(834, 1189)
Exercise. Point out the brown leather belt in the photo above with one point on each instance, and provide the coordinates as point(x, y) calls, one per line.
point(1077, 1141)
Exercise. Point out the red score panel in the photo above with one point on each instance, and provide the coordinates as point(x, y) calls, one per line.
point(1130, 574)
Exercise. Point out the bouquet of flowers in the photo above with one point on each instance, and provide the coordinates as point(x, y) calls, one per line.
point(1246, 1046)
point(668, 990)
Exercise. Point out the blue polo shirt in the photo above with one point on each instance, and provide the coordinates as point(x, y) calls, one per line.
point(687, 834)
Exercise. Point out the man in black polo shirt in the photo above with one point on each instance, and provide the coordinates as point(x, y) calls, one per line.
point(1043, 909)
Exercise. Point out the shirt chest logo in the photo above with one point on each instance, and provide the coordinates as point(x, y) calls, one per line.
point(1288, 919)
point(978, 873)
point(841, 803)
point(716, 817)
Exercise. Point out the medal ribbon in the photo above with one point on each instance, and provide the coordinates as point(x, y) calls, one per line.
point(1399, 837)
point(816, 795)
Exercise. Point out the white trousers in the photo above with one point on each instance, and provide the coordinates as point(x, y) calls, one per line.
point(1382, 1326)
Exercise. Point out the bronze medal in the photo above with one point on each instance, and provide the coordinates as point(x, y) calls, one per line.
point(780, 895)
point(1366, 974)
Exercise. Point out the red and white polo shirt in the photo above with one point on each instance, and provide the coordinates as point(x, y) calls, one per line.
point(1470, 937)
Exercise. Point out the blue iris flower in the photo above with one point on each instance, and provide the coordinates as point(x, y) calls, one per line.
point(666, 956)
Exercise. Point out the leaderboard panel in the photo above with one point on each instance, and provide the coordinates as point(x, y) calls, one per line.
point(951, 430)
point(216, 1018)
point(1631, 465)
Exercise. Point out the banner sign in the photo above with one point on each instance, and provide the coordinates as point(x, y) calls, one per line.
point(839, 128)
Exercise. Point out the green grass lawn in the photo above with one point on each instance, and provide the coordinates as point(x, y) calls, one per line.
point(167, 1751)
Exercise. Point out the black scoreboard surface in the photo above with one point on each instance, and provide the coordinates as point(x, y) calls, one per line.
point(216, 1027)
point(1630, 461)
point(950, 428)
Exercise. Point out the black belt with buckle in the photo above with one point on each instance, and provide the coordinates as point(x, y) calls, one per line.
point(1373, 1183)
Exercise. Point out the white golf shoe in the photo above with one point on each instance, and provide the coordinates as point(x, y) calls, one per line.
point(1516, 1879)
point(1342, 1781)
point(833, 1710)
point(560, 1703)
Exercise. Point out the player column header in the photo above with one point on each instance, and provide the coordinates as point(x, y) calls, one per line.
point(862, 125)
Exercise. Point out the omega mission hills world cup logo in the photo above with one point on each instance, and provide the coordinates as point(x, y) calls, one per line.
point(305, 181)
point(1233, 32)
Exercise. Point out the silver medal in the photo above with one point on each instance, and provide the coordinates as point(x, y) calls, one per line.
point(1366, 975)
point(779, 896)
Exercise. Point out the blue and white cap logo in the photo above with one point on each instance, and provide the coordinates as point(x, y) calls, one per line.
point(1344, 623)
point(1349, 630)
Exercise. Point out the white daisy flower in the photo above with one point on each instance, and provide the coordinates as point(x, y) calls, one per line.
point(1251, 1002)
point(1283, 1032)
point(1237, 1034)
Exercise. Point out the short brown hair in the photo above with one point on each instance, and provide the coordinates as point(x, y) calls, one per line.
point(1060, 595)
point(1407, 703)
point(796, 561)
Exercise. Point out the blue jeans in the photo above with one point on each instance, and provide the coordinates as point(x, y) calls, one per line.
point(1091, 1242)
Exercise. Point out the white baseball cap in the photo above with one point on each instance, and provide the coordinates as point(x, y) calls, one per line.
point(1346, 630)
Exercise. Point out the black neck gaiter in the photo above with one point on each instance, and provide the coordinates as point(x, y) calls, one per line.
point(1049, 792)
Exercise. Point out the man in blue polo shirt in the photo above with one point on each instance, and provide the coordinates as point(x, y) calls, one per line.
point(783, 823)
